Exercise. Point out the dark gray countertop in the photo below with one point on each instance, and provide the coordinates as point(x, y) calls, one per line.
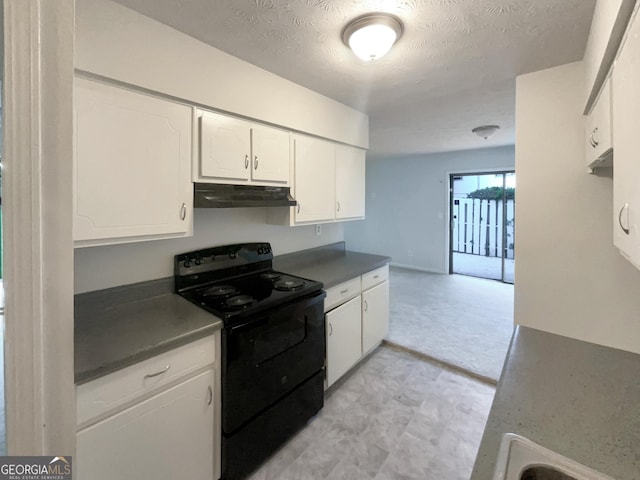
point(117, 327)
point(330, 264)
point(576, 398)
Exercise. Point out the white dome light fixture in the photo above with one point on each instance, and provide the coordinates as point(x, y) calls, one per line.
point(486, 131)
point(371, 36)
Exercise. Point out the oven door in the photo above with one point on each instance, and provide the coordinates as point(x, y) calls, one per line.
point(268, 356)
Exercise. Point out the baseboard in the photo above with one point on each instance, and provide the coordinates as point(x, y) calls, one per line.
point(416, 268)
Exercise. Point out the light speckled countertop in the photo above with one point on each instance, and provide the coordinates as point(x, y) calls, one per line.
point(576, 398)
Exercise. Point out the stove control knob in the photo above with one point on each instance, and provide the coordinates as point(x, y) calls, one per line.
point(198, 261)
point(233, 256)
point(187, 263)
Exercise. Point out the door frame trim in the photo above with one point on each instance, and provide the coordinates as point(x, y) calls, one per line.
point(38, 248)
point(449, 202)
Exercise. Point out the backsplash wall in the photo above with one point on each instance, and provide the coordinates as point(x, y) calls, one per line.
point(109, 266)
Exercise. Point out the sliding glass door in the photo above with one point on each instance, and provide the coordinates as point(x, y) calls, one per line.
point(482, 225)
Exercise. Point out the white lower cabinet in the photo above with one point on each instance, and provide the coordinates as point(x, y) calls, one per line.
point(357, 320)
point(158, 419)
point(375, 316)
point(165, 437)
point(344, 334)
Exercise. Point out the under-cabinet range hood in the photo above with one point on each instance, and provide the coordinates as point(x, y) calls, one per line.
point(214, 195)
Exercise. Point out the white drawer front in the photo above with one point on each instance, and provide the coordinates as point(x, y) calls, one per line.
point(375, 277)
point(121, 387)
point(341, 293)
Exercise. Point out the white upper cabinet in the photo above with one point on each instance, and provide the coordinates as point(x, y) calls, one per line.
point(610, 19)
point(598, 146)
point(234, 151)
point(350, 182)
point(225, 148)
point(270, 154)
point(314, 180)
point(328, 183)
point(132, 166)
point(626, 172)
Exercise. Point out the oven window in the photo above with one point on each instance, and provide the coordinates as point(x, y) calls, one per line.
point(276, 337)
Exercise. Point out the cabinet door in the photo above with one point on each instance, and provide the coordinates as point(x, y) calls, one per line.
point(270, 150)
point(375, 316)
point(350, 182)
point(598, 132)
point(344, 338)
point(225, 153)
point(168, 436)
point(314, 180)
point(626, 172)
point(132, 165)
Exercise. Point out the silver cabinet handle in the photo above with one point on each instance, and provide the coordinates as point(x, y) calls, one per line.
point(164, 370)
point(255, 162)
point(375, 277)
point(298, 207)
point(246, 162)
point(593, 137)
point(183, 211)
point(342, 292)
point(338, 206)
point(625, 230)
point(591, 140)
point(366, 306)
point(330, 329)
point(210, 395)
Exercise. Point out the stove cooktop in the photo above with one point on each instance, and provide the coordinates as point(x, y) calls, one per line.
point(243, 296)
point(236, 281)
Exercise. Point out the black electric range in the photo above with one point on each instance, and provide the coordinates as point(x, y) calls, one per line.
point(273, 347)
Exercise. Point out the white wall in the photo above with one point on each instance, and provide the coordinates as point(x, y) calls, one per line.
point(570, 279)
point(407, 203)
point(109, 266)
point(118, 43)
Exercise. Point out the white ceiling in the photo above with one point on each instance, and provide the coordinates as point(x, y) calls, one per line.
point(453, 69)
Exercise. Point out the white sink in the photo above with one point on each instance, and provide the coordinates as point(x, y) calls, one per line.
point(521, 459)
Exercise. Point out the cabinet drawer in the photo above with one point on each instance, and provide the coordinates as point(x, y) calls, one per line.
point(375, 277)
point(341, 293)
point(95, 398)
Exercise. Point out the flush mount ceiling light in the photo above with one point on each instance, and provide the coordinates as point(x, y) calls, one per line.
point(371, 36)
point(486, 131)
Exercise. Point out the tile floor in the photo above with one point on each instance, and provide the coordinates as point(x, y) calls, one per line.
point(394, 417)
point(462, 321)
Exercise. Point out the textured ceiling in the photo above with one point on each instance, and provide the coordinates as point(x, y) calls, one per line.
point(453, 69)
